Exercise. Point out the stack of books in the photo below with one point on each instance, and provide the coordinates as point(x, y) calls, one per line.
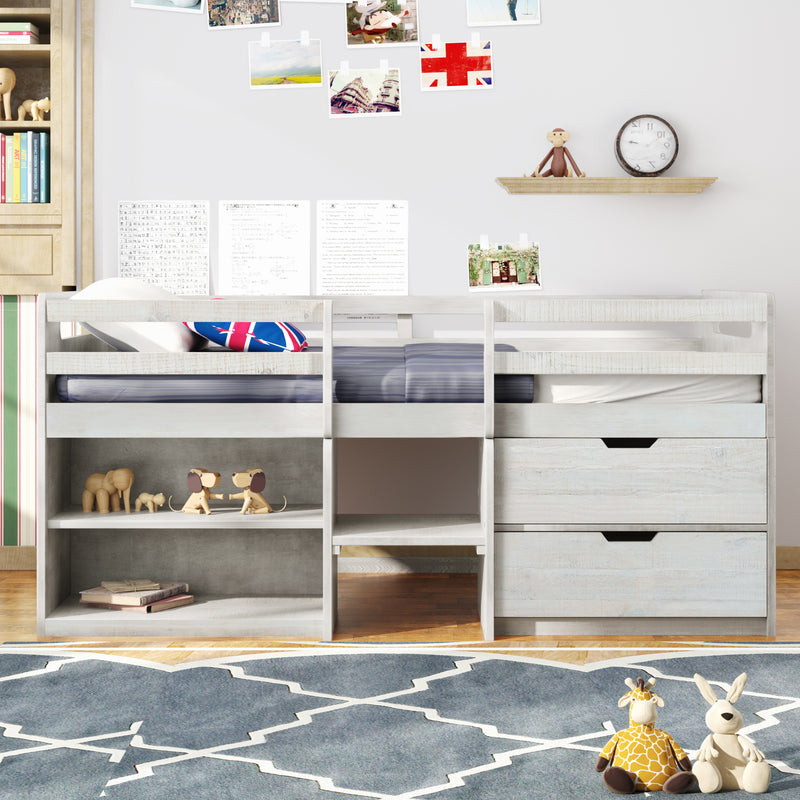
point(142, 596)
point(25, 167)
point(18, 33)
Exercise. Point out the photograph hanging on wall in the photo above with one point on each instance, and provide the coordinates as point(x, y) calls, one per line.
point(237, 13)
point(356, 92)
point(456, 65)
point(285, 64)
point(382, 22)
point(503, 12)
point(191, 6)
point(504, 266)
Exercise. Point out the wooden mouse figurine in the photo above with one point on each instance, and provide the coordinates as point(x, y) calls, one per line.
point(252, 482)
point(558, 137)
point(199, 482)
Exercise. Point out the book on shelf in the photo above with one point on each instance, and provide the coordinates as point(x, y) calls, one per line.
point(142, 598)
point(25, 167)
point(16, 167)
point(44, 167)
point(176, 601)
point(18, 33)
point(130, 585)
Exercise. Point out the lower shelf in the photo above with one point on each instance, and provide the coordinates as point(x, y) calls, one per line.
point(209, 615)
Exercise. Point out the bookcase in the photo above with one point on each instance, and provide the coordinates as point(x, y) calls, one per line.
point(37, 240)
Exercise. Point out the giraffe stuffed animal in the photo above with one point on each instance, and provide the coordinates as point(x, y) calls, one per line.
point(643, 757)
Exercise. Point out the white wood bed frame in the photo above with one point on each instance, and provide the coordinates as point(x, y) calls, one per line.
point(574, 534)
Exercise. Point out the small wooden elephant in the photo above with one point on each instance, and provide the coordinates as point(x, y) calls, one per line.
point(8, 80)
point(152, 502)
point(108, 488)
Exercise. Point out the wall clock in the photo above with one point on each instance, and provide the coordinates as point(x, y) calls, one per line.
point(646, 146)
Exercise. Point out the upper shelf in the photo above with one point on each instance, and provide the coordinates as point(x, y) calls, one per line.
point(605, 185)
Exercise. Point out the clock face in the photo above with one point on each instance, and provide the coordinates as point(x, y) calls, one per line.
point(646, 145)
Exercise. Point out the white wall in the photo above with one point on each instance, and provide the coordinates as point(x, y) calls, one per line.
point(175, 119)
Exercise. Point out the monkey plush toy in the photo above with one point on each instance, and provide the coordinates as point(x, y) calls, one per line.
point(558, 137)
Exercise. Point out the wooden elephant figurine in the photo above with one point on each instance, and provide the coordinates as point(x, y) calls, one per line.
point(109, 487)
point(8, 80)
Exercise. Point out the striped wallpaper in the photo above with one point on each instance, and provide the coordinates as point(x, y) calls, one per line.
point(18, 420)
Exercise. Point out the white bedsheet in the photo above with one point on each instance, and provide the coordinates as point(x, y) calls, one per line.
point(647, 388)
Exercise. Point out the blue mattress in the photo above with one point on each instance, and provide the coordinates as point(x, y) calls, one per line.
point(416, 373)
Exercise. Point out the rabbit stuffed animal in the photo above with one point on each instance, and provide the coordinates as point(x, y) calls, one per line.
point(726, 759)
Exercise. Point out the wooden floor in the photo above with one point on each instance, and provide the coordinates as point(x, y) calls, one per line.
point(395, 609)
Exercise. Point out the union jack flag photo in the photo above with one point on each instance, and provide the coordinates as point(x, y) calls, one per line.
point(456, 65)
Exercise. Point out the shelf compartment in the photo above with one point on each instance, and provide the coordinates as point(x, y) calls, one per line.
point(428, 530)
point(221, 518)
point(209, 615)
point(605, 185)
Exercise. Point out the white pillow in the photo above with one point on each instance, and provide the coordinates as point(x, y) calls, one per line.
point(145, 337)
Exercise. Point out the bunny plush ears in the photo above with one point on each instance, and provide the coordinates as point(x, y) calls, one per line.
point(734, 693)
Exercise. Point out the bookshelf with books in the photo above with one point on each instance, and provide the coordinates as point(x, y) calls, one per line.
point(37, 156)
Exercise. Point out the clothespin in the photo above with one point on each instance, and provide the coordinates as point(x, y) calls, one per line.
point(484, 242)
point(265, 39)
point(305, 38)
point(524, 242)
point(383, 65)
point(344, 67)
point(436, 42)
point(476, 39)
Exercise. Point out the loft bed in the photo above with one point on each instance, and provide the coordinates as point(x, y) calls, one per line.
point(648, 430)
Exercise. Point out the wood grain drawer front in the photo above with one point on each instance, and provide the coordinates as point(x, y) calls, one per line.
point(672, 481)
point(675, 574)
point(26, 254)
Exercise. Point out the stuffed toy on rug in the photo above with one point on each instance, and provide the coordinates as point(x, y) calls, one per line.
point(727, 759)
point(642, 757)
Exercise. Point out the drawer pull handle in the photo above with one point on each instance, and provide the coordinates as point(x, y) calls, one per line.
point(629, 536)
point(638, 442)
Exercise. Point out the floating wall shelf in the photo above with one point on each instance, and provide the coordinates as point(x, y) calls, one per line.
point(605, 185)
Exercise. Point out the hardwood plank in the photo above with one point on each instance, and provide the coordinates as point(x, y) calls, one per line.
point(389, 609)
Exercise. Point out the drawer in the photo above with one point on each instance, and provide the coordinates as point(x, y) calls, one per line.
point(599, 482)
point(668, 574)
point(26, 254)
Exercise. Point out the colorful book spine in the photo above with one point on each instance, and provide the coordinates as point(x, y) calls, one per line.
point(28, 137)
point(36, 179)
point(19, 27)
point(23, 167)
point(2, 168)
point(44, 166)
point(17, 146)
point(9, 168)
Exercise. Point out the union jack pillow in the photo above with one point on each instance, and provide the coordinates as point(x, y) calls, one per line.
point(250, 337)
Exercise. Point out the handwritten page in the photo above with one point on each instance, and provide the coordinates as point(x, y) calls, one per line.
point(362, 247)
point(265, 247)
point(165, 243)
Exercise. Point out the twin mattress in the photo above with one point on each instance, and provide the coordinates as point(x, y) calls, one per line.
point(426, 372)
point(416, 373)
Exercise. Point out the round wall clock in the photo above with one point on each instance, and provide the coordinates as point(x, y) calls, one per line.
point(646, 145)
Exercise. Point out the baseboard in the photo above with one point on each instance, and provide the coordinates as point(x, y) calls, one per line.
point(787, 557)
point(17, 558)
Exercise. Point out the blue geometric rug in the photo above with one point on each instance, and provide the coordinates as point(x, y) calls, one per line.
point(370, 723)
